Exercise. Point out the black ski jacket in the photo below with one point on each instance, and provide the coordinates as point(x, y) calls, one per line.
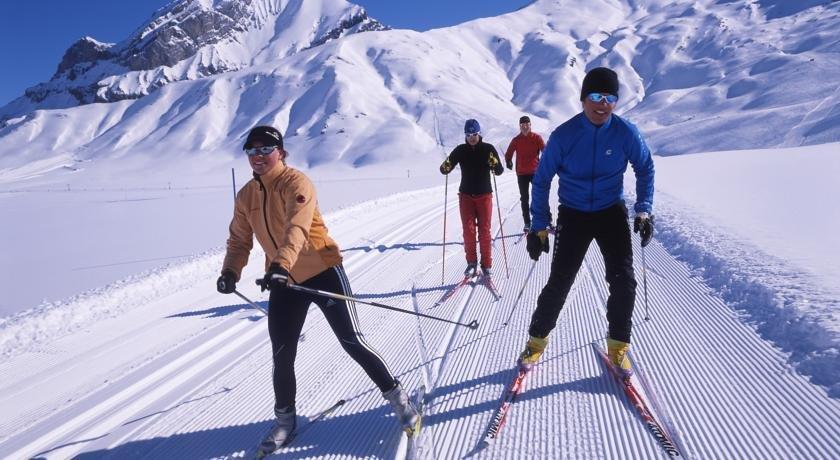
point(475, 166)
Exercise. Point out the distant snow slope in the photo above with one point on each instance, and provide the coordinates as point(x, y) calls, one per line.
point(696, 76)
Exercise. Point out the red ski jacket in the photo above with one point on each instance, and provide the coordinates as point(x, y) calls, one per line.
point(527, 152)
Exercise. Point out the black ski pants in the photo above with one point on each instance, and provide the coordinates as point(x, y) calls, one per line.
point(524, 182)
point(575, 231)
point(287, 310)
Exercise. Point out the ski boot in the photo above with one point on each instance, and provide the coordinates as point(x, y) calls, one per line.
point(406, 413)
point(617, 352)
point(533, 351)
point(281, 433)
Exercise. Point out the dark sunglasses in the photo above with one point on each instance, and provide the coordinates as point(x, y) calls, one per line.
point(598, 98)
point(260, 150)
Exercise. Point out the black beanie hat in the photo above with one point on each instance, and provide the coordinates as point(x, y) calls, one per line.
point(267, 135)
point(524, 119)
point(599, 80)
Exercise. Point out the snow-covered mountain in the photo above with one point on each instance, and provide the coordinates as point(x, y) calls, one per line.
point(188, 40)
point(694, 74)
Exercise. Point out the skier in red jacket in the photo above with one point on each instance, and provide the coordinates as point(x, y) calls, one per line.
point(527, 145)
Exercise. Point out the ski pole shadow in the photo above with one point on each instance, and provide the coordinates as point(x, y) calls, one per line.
point(402, 293)
point(218, 312)
point(368, 433)
point(403, 246)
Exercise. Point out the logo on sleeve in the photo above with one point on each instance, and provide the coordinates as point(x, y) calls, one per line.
point(300, 199)
point(609, 152)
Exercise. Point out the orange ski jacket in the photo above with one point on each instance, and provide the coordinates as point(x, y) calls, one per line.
point(280, 208)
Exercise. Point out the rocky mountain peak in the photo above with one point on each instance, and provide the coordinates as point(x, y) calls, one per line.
point(190, 39)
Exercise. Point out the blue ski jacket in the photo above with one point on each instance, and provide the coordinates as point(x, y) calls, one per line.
point(590, 162)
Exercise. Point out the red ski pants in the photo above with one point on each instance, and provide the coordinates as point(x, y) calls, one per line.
point(477, 211)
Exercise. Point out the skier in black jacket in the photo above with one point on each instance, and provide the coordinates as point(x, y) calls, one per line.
point(475, 195)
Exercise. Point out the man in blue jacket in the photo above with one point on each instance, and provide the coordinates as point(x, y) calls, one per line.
point(589, 153)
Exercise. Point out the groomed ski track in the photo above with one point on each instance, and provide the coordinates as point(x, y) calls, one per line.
point(187, 375)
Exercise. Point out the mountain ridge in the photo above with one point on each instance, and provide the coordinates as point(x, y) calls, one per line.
point(700, 76)
point(187, 40)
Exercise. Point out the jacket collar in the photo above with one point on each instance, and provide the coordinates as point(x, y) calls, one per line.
point(473, 147)
point(589, 127)
point(271, 175)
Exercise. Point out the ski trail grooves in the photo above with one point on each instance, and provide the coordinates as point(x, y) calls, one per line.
point(729, 393)
point(165, 377)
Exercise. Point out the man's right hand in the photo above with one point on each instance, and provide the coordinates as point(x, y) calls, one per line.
point(537, 243)
point(226, 283)
point(446, 167)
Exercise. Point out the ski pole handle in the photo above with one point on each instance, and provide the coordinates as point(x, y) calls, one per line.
point(282, 278)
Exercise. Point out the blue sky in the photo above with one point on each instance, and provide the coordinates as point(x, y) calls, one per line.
point(36, 33)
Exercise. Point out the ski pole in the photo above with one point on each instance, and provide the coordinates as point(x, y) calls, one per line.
point(519, 296)
point(445, 202)
point(644, 283)
point(501, 224)
point(251, 303)
point(471, 325)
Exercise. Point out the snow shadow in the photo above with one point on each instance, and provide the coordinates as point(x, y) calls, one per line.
point(328, 437)
point(406, 292)
point(226, 310)
point(404, 246)
point(418, 246)
point(503, 378)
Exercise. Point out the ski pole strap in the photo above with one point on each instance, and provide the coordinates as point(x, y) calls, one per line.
point(471, 325)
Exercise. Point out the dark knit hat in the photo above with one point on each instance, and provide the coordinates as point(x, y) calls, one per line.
point(599, 80)
point(472, 126)
point(267, 135)
point(524, 119)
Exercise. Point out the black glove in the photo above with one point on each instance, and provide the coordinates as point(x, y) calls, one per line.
point(509, 164)
point(643, 225)
point(226, 283)
point(269, 282)
point(537, 243)
point(446, 166)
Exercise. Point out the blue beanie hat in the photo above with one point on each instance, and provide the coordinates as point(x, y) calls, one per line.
point(472, 126)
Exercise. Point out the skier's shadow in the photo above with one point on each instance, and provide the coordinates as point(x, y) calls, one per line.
point(360, 434)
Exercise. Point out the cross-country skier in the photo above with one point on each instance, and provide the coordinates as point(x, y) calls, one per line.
point(279, 206)
point(475, 194)
point(527, 146)
point(589, 154)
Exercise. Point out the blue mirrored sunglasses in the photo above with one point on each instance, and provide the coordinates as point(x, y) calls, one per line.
point(472, 134)
point(260, 150)
point(598, 98)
